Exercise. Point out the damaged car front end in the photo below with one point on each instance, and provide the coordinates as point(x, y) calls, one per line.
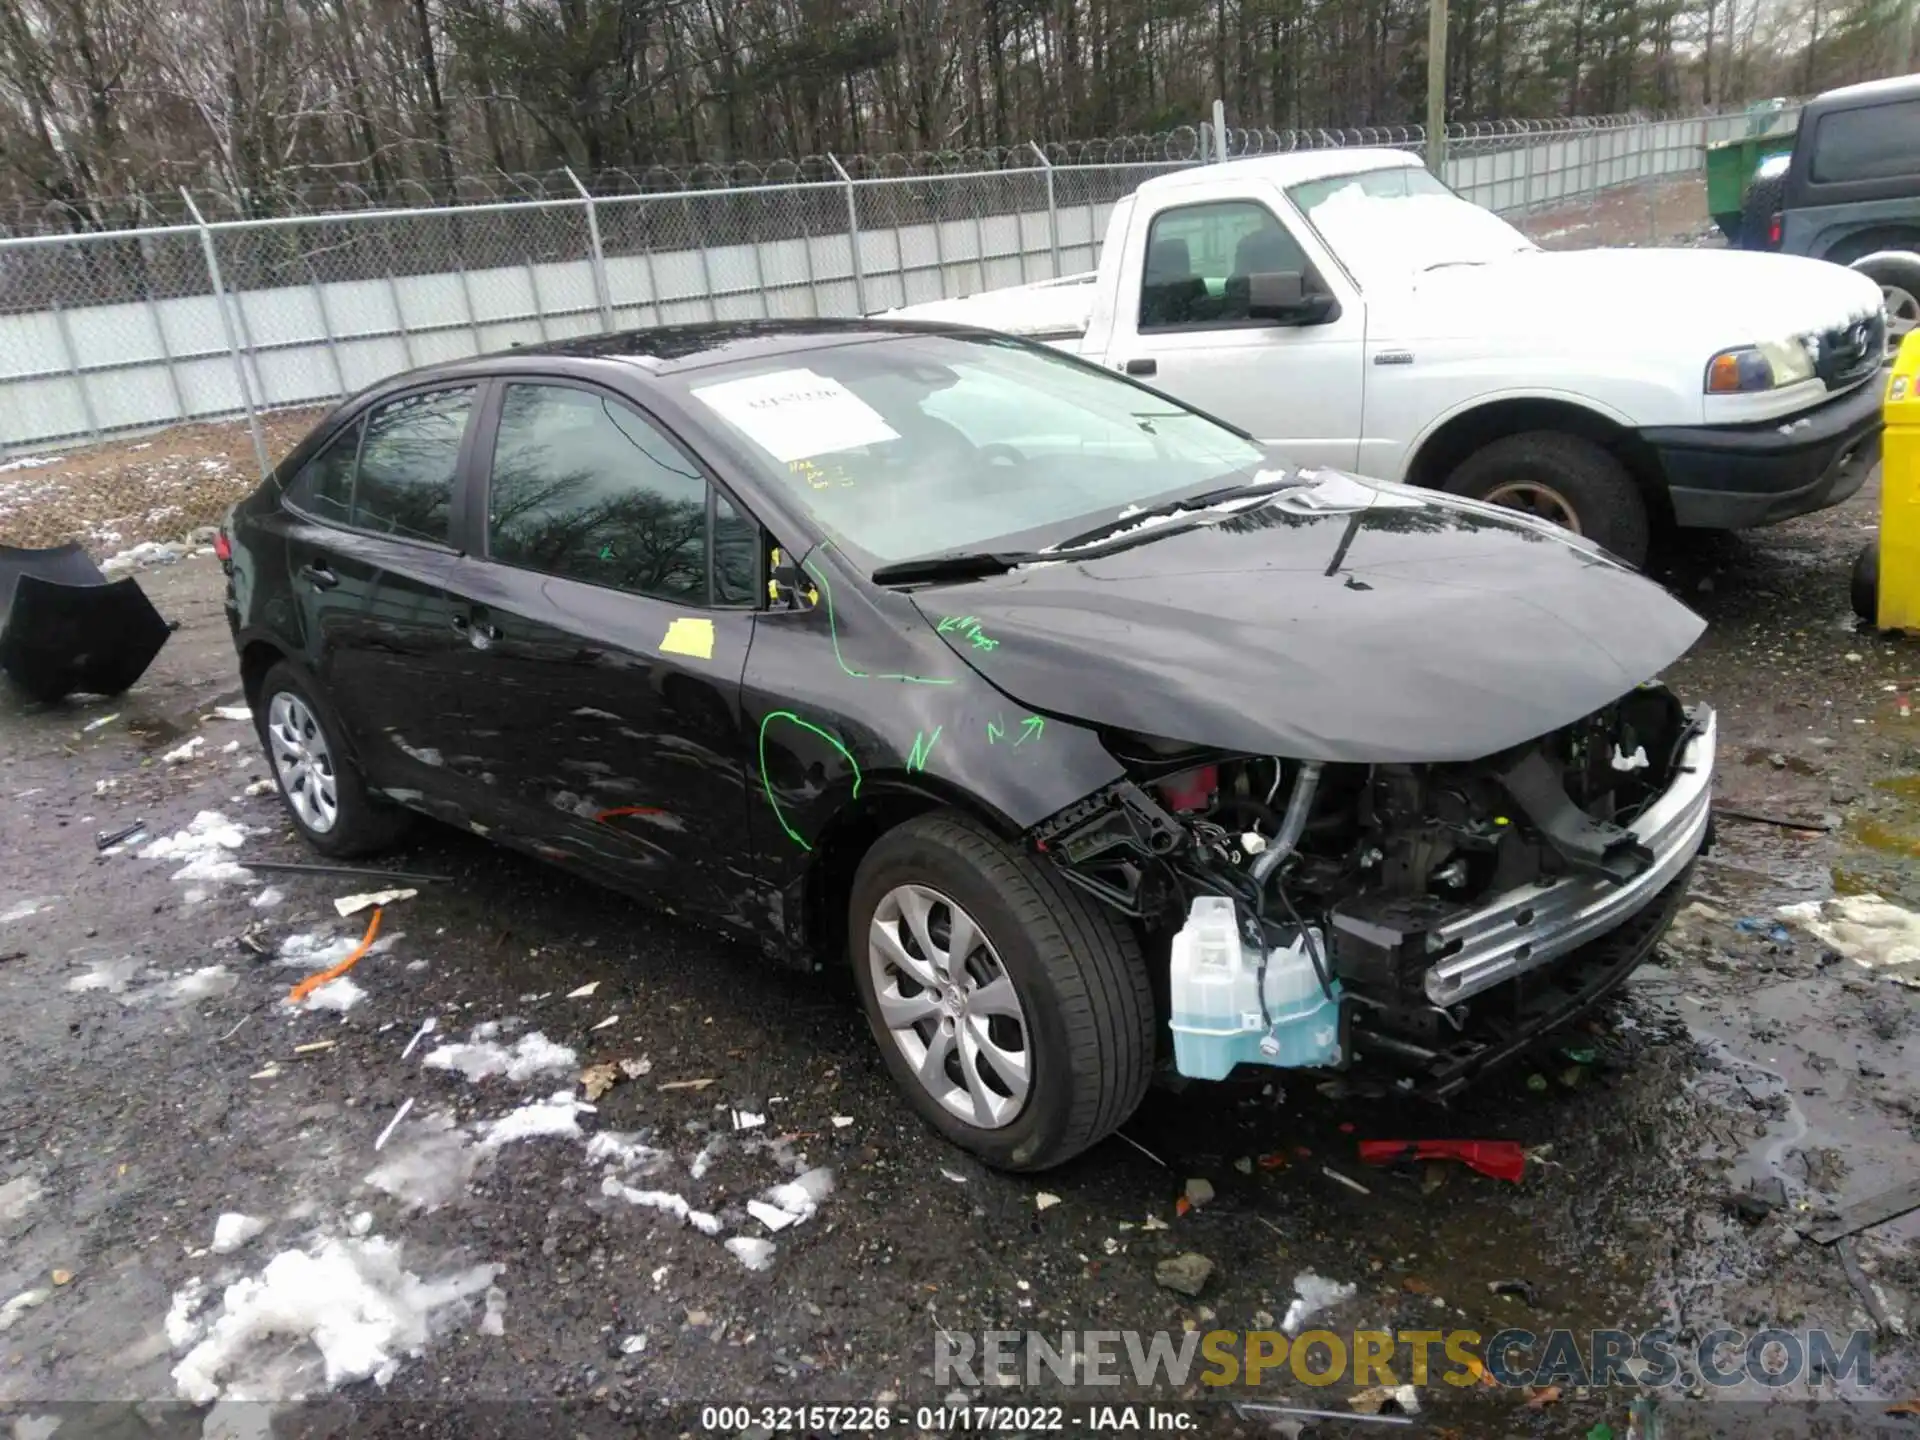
point(1450, 913)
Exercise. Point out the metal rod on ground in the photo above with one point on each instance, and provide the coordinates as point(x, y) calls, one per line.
point(1437, 86)
point(294, 867)
point(226, 326)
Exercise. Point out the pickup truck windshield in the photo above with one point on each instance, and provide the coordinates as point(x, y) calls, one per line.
point(1402, 221)
point(907, 445)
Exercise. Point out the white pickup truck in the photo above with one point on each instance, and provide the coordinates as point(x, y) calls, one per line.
point(1349, 310)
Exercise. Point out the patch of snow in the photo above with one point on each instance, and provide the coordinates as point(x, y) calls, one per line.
point(30, 462)
point(800, 1199)
point(1868, 930)
point(28, 907)
point(314, 953)
point(559, 1114)
point(201, 983)
point(664, 1201)
point(494, 1321)
point(624, 1151)
point(112, 976)
point(19, 1305)
point(479, 1058)
point(232, 712)
point(633, 1345)
point(35, 1427)
point(426, 755)
point(428, 1166)
point(267, 898)
point(182, 1326)
point(352, 1308)
point(202, 846)
point(232, 1230)
point(1316, 1293)
point(753, 1253)
point(18, 1196)
point(181, 754)
point(337, 995)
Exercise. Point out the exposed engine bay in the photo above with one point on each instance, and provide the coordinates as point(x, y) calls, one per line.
point(1450, 913)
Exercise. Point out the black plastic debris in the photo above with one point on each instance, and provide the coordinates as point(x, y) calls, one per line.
point(65, 627)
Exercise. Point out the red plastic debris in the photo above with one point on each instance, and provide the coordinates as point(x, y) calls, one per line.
point(1501, 1159)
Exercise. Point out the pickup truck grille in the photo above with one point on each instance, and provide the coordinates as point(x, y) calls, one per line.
point(1851, 352)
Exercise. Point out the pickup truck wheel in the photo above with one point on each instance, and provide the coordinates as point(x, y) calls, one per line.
point(1016, 1016)
point(1562, 478)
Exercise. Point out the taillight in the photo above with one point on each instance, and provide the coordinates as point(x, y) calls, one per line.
point(222, 547)
point(1773, 231)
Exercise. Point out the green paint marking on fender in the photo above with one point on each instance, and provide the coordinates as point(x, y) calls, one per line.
point(833, 630)
point(969, 626)
point(1030, 729)
point(766, 783)
point(922, 748)
point(994, 731)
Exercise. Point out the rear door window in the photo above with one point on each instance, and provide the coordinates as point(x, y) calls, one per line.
point(1877, 142)
point(408, 463)
point(324, 486)
point(586, 487)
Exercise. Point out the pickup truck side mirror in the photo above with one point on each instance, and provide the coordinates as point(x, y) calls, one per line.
point(1282, 296)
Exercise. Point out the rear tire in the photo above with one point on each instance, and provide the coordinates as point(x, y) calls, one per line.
point(1565, 479)
point(319, 783)
point(1757, 210)
point(1085, 1021)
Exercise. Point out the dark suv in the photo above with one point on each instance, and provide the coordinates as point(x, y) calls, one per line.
point(1850, 192)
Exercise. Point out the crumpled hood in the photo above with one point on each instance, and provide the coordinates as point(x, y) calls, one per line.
point(1353, 621)
point(1721, 298)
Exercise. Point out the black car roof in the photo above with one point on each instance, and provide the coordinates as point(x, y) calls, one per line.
point(1867, 92)
point(667, 349)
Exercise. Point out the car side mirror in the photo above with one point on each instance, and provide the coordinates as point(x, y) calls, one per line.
point(1283, 297)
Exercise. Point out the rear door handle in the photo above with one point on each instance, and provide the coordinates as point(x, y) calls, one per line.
point(1143, 367)
point(317, 574)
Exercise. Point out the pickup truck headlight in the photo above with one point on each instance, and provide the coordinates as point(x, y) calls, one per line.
point(1766, 366)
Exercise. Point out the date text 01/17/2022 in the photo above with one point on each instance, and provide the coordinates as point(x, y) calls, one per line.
point(949, 1419)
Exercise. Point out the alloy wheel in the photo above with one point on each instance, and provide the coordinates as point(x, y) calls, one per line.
point(303, 762)
point(1535, 498)
point(948, 1002)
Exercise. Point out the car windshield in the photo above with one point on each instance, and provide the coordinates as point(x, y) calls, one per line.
point(1399, 221)
point(913, 445)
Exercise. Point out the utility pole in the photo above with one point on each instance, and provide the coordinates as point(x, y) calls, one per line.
point(1437, 87)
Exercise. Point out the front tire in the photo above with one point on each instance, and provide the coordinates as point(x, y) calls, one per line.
point(319, 783)
point(1563, 478)
point(1016, 1016)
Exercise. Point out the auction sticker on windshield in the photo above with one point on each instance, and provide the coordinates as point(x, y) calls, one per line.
point(794, 414)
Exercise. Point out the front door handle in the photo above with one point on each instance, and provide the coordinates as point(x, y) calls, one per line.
point(317, 574)
point(1142, 367)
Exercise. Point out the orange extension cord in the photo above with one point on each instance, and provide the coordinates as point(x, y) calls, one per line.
point(313, 982)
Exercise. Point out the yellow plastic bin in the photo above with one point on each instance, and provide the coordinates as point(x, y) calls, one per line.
point(1886, 577)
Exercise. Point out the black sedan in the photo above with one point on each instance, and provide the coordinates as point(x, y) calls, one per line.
point(1061, 711)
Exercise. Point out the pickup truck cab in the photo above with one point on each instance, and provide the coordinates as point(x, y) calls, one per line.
point(1347, 309)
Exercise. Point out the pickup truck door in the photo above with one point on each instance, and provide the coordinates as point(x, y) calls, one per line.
point(1180, 323)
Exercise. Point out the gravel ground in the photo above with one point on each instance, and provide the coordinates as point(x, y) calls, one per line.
point(154, 1077)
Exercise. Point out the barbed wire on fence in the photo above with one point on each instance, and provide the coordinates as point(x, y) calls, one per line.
point(317, 191)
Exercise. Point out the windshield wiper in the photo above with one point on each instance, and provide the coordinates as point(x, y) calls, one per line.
point(959, 565)
point(1135, 519)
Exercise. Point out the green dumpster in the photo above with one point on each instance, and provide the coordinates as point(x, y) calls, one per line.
point(1731, 163)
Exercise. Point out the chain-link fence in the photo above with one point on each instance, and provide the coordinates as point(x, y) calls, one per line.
point(107, 333)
